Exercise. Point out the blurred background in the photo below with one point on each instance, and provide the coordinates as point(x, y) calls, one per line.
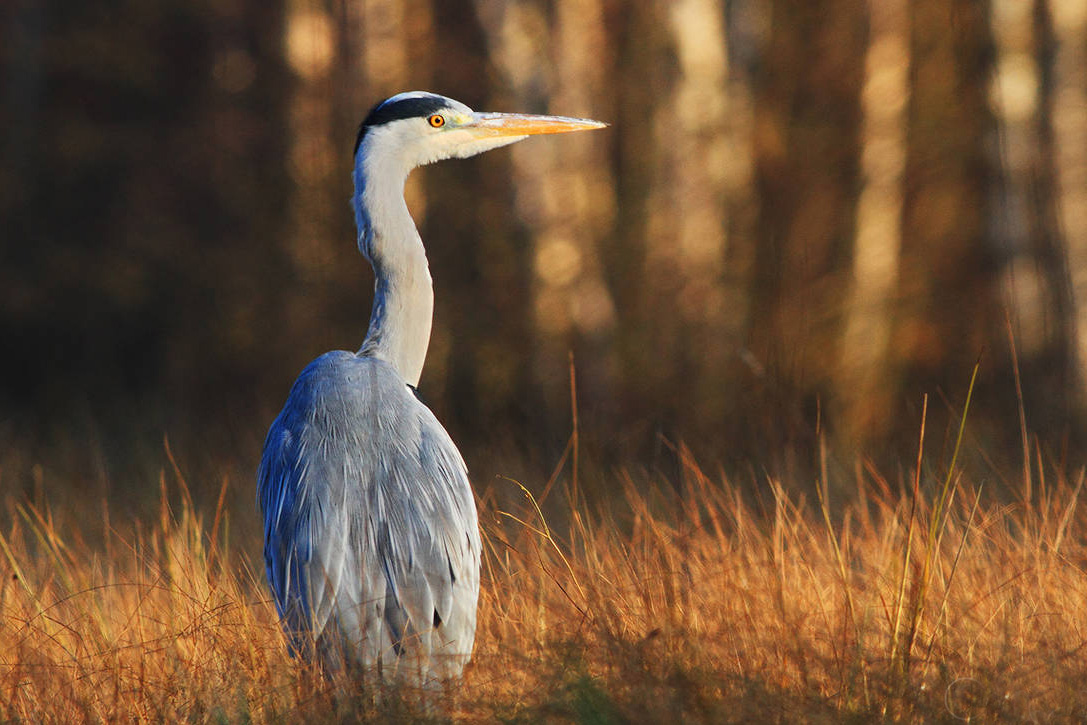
point(804, 217)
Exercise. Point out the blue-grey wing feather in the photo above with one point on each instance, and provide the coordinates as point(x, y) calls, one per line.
point(371, 537)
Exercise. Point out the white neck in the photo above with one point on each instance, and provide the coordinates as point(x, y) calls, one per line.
point(399, 331)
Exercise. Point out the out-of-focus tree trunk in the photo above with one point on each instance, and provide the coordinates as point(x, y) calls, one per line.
point(862, 384)
point(563, 187)
point(694, 309)
point(314, 241)
point(643, 68)
point(948, 310)
point(1068, 153)
point(1035, 286)
point(1036, 281)
point(807, 159)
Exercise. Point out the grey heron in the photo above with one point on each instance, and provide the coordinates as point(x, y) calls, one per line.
point(371, 539)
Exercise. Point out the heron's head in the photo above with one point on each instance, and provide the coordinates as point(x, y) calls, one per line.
point(416, 128)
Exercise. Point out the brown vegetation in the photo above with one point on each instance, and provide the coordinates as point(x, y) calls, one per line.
point(686, 601)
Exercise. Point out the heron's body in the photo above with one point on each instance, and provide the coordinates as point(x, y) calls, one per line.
point(371, 537)
point(358, 556)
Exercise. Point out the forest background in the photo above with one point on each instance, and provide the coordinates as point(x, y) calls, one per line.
point(804, 217)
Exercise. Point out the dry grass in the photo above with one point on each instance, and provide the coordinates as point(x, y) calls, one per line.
point(688, 603)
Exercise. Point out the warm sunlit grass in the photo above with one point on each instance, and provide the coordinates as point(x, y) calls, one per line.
point(687, 603)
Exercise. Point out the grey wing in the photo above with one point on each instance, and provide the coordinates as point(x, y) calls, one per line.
point(371, 537)
point(428, 548)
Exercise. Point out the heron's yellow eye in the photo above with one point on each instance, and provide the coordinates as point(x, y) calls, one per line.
point(437, 120)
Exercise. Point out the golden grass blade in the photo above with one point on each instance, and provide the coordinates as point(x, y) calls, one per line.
point(951, 577)
point(17, 572)
point(545, 532)
point(907, 555)
point(1066, 517)
point(937, 523)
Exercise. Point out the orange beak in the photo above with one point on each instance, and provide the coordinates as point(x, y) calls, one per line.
point(519, 124)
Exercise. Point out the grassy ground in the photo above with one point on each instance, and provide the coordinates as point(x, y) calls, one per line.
point(924, 601)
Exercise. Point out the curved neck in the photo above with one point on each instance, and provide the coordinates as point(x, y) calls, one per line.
point(399, 331)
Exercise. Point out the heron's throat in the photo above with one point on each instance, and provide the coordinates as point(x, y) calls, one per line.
point(400, 320)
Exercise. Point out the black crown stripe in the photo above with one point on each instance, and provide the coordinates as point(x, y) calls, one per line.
point(386, 112)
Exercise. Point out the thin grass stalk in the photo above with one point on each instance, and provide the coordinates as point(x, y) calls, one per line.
point(950, 578)
point(575, 432)
point(1066, 517)
point(937, 523)
point(1024, 439)
point(822, 491)
point(908, 553)
point(545, 533)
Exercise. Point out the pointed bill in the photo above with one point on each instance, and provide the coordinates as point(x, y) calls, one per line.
point(520, 124)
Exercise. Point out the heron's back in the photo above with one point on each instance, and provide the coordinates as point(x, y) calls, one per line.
point(371, 538)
